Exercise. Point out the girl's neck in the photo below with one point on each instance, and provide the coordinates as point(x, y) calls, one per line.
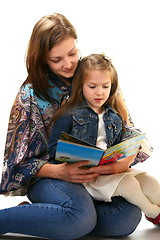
point(97, 110)
point(100, 111)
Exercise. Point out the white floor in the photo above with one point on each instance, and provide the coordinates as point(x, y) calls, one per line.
point(145, 231)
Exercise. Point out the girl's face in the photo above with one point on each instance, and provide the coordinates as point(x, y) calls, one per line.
point(96, 88)
point(63, 58)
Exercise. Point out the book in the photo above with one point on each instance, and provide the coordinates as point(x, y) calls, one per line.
point(71, 149)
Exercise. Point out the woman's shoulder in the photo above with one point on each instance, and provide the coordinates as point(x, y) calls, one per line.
point(26, 90)
point(27, 93)
point(25, 96)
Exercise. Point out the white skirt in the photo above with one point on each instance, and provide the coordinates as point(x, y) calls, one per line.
point(103, 187)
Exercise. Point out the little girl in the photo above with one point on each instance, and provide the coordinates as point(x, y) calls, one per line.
point(93, 115)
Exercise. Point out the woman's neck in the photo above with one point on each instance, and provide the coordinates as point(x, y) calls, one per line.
point(67, 81)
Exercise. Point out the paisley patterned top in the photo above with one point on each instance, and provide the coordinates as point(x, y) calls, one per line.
point(27, 136)
point(28, 131)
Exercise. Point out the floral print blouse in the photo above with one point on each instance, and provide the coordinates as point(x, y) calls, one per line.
point(28, 130)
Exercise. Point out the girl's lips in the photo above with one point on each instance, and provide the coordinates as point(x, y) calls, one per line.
point(98, 99)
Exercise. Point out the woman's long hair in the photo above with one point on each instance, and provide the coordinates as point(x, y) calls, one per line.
point(48, 31)
point(92, 62)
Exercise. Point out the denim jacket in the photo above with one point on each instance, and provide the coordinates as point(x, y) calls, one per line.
point(82, 123)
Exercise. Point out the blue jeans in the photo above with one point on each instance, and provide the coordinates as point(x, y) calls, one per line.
point(65, 211)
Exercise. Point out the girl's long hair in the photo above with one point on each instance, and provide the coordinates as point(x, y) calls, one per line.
point(92, 62)
point(48, 31)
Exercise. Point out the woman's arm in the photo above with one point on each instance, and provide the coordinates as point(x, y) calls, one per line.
point(26, 143)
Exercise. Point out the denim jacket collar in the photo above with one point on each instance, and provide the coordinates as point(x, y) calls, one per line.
point(84, 104)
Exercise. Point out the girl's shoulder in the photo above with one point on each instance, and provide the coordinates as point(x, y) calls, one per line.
point(110, 111)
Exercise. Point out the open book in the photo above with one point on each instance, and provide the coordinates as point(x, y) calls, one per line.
point(71, 149)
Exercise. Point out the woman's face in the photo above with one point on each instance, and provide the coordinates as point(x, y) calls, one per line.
point(63, 58)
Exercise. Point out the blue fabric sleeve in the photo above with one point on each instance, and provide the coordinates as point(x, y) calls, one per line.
point(64, 124)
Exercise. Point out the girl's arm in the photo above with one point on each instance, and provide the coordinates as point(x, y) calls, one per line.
point(124, 164)
point(146, 149)
point(63, 124)
point(119, 166)
point(64, 171)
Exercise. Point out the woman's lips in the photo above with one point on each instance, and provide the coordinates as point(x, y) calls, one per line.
point(68, 70)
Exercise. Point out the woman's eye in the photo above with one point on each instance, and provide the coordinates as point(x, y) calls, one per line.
point(55, 61)
point(72, 54)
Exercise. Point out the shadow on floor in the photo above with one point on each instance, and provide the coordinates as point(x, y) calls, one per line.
point(10, 236)
point(142, 233)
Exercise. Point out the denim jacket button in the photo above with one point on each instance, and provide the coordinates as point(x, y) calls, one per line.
point(80, 120)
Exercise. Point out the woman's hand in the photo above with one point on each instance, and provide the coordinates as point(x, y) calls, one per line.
point(119, 166)
point(70, 172)
point(79, 173)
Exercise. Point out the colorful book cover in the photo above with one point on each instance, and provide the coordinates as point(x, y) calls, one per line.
point(70, 149)
point(122, 149)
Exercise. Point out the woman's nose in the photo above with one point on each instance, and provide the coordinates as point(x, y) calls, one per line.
point(67, 63)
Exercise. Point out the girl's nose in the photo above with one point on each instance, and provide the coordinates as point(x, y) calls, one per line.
point(99, 91)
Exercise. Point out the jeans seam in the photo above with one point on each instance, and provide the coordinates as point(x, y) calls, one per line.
point(109, 212)
point(33, 205)
point(58, 189)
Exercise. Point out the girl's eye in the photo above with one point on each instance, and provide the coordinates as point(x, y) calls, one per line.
point(92, 86)
point(105, 86)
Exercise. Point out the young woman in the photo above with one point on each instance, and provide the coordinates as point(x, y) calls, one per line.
point(61, 209)
point(92, 115)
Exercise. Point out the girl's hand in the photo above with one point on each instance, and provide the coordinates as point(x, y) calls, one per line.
point(70, 172)
point(115, 167)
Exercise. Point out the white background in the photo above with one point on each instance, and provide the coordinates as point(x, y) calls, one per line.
point(125, 30)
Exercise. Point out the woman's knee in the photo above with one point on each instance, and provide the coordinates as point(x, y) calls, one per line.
point(76, 210)
point(59, 192)
point(116, 218)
